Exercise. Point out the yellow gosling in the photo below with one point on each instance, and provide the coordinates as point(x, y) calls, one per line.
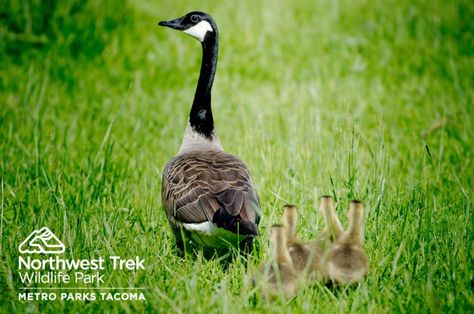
point(304, 258)
point(346, 261)
point(279, 275)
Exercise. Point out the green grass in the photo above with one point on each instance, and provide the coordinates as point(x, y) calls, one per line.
point(359, 99)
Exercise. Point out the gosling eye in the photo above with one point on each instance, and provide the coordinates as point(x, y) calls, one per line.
point(194, 18)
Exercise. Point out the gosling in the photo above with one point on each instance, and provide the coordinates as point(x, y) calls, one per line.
point(333, 228)
point(279, 275)
point(345, 261)
point(305, 257)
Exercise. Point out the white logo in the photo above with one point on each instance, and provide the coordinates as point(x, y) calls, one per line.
point(42, 241)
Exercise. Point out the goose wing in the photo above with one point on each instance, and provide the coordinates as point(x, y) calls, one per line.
point(210, 186)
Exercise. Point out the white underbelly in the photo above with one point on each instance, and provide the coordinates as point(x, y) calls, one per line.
point(207, 234)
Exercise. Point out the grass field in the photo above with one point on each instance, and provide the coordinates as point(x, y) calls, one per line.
point(358, 99)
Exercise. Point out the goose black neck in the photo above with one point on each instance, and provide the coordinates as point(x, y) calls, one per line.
point(200, 118)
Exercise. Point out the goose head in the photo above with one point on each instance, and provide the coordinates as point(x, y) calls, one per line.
point(200, 25)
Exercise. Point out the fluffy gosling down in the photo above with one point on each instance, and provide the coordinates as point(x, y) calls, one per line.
point(305, 256)
point(278, 276)
point(333, 228)
point(346, 262)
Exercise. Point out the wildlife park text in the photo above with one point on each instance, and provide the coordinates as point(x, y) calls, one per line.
point(53, 270)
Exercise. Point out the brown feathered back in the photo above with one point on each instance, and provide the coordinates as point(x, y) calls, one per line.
point(210, 186)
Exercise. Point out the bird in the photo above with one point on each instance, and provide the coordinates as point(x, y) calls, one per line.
point(345, 261)
point(333, 227)
point(208, 194)
point(278, 276)
point(304, 255)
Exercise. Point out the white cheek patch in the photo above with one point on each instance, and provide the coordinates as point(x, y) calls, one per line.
point(199, 30)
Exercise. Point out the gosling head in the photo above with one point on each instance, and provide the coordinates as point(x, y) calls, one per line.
point(279, 244)
point(326, 206)
point(356, 222)
point(278, 236)
point(200, 25)
point(290, 220)
point(333, 225)
point(356, 211)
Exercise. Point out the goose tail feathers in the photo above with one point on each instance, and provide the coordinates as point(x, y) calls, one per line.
point(236, 224)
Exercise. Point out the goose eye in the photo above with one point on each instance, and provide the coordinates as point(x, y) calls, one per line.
point(194, 18)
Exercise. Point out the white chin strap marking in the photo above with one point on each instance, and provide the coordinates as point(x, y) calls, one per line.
point(199, 30)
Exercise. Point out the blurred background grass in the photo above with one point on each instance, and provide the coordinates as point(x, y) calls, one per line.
point(362, 99)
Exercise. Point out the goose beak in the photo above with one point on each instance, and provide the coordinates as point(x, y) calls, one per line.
point(174, 24)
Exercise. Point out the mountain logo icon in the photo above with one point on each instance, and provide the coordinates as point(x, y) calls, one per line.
point(42, 241)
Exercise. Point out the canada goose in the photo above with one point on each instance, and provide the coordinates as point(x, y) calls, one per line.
point(279, 274)
point(208, 194)
point(304, 256)
point(346, 261)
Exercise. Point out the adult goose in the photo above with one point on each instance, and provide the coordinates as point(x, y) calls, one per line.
point(208, 194)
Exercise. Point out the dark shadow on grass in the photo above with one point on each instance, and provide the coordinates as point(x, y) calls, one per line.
point(248, 249)
point(338, 289)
